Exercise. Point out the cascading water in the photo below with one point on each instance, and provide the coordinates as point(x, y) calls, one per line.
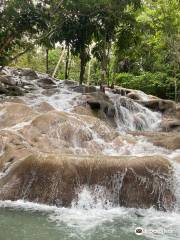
point(94, 213)
point(132, 116)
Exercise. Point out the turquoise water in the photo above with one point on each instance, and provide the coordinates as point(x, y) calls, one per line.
point(28, 221)
point(16, 225)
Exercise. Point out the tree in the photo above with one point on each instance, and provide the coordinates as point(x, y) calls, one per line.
point(26, 20)
point(111, 17)
point(75, 27)
point(80, 22)
point(152, 51)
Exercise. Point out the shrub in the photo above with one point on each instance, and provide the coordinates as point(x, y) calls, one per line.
point(158, 84)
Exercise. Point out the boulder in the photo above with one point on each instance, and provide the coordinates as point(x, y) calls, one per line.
point(8, 80)
point(133, 96)
point(137, 182)
point(3, 89)
point(102, 107)
point(15, 91)
point(14, 113)
point(26, 73)
point(48, 130)
point(169, 125)
point(178, 112)
point(161, 105)
point(121, 91)
point(11, 90)
point(167, 140)
point(171, 142)
point(46, 83)
point(57, 131)
point(13, 147)
point(43, 107)
point(83, 110)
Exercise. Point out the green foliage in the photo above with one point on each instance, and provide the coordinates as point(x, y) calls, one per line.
point(151, 44)
point(20, 22)
point(157, 84)
point(32, 59)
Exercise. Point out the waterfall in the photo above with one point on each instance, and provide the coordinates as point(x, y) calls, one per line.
point(132, 116)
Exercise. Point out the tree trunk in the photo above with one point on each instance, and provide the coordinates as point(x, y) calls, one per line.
point(89, 72)
point(70, 64)
point(67, 63)
point(103, 67)
point(47, 60)
point(105, 61)
point(58, 64)
point(82, 65)
point(175, 90)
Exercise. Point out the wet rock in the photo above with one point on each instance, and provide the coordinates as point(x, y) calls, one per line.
point(70, 83)
point(84, 89)
point(133, 96)
point(44, 107)
point(15, 91)
point(138, 182)
point(83, 110)
point(26, 73)
point(118, 142)
point(48, 130)
point(50, 91)
point(94, 105)
point(46, 83)
point(14, 113)
point(3, 89)
point(159, 105)
point(178, 112)
point(28, 85)
point(56, 131)
point(5, 71)
point(9, 90)
point(171, 142)
point(102, 106)
point(8, 80)
point(121, 91)
point(177, 159)
point(170, 125)
point(13, 99)
point(13, 148)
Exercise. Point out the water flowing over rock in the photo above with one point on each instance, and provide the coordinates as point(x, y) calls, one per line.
point(126, 181)
point(130, 115)
point(60, 138)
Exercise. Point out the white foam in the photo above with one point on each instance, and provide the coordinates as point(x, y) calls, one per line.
point(18, 126)
point(130, 115)
point(62, 100)
point(88, 213)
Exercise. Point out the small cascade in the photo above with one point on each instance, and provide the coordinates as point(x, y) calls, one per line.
point(132, 116)
point(92, 198)
point(61, 97)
